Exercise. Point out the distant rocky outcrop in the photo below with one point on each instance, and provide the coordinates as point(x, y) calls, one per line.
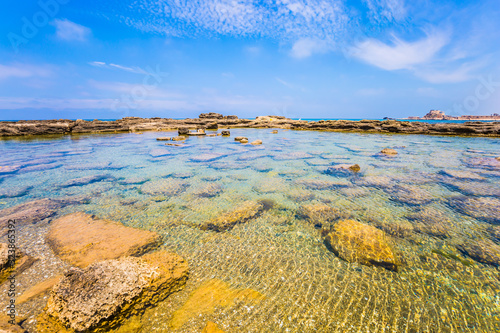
point(215, 120)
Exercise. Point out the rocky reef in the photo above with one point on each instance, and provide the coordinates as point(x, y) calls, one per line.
point(215, 120)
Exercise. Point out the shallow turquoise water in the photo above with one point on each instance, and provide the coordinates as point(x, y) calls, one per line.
point(434, 199)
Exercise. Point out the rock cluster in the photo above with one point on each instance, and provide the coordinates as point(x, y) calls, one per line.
point(133, 124)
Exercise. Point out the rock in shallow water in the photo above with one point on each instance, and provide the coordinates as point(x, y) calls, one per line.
point(169, 187)
point(481, 208)
point(483, 251)
point(357, 242)
point(389, 152)
point(96, 239)
point(106, 293)
point(14, 192)
point(244, 212)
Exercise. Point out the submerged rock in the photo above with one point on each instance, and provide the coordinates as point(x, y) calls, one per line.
point(461, 174)
point(244, 212)
point(96, 239)
point(357, 242)
point(33, 211)
point(103, 295)
point(343, 169)
point(160, 152)
point(5, 169)
point(410, 195)
point(320, 214)
point(481, 208)
point(208, 190)
point(87, 180)
point(210, 296)
point(318, 184)
point(208, 157)
point(6, 325)
point(483, 251)
point(14, 192)
point(10, 265)
point(274, 132)
point(494, 232)
point(432, 222)
point(169, 187)
point(388, 151)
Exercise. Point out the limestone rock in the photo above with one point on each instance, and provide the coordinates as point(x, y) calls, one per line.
point(38, 290)
point(163, 139)
point(256, 142)
point(357, 242)
point(239, 138)
point(96, 239)
point(388, 151)
point(211, 115)
point(212, 126)
point(103, 295)
point(274, 132)
point(208, 157)
point(432, 222)
point(183, 131)
point(244, 212)
point(410, 195)
point(226, 133)
point(179, 138)
point(169, 187)
point(468, 175)
point(208, 190)
point(244, 141)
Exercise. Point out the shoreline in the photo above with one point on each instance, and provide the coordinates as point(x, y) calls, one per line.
point(215, 121)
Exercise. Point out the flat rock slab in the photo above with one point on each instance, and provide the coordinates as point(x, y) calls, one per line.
point(409, 195)
point(483, 251)
point(87, 180)
point(14, 192)
point(208, 190)
point(103, 295)
point(29, 212)
point(160, 152)
point(461, 174)
point(481, 208)
point(357, 242)
point(5, 169)
point(206, 157)
point(96, 239)
point(244, 212)
point(169, 187)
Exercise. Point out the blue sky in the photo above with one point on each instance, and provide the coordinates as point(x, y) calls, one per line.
point(296, 58)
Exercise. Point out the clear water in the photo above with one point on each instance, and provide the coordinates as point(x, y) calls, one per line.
point(307, 288)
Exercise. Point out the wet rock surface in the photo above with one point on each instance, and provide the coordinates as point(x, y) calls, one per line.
point(243, 213)
point(481, 208)
point(357, 242)
point(483, 251)
point(168, 187)
point(103, 295)
point(96, 239)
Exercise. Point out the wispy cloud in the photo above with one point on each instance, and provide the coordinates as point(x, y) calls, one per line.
point(71, 31)
point(23, 71)
point(135, 69)
point(389, 10)
point(306, 47)
point(400, 54)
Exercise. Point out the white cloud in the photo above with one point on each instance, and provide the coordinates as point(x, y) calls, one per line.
point(401, 54)
point(305, 47)
point(391, 10)
point(136, 70)
point(23, 71)
point(70, 31)
point(462, 73)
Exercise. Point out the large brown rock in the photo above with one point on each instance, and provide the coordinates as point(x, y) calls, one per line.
point(8, 325)
point(244, 212)
point(82, 239)
point(357, 242)
point(103, 295)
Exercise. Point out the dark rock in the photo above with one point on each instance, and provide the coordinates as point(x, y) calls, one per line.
point(240, 138)
point(183, 131)
point(226, 133)
point(212, 126)
point(483, 251)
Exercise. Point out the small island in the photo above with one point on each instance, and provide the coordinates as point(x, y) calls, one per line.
point(440, 115)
